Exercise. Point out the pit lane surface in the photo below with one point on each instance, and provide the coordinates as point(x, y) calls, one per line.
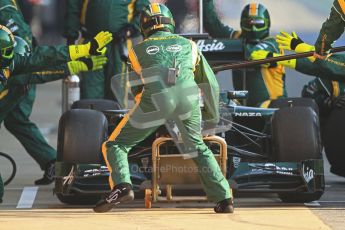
point(27, 206)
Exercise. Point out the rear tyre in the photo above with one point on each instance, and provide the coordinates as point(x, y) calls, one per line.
point(296, 134)
point(96, 104)
point(294, 102)
point(333, 137)
point(296, 137)
point(80, 136)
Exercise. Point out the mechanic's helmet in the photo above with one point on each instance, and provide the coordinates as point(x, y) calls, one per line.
point(21, 47)
point(6, 47)
point(255, 22)
point(156, 17)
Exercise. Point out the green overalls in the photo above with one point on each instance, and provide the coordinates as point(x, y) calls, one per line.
point(263, 83)
point(12, 92)
point(164, 49)
point(92, 16)
point(332, 28)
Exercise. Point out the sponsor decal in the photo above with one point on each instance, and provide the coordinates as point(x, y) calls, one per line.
point(259, 168)
point(308, 173)
point(152, 50)
point(174, 48)
point(236, 161)
point(209, 47)
point(249, 114)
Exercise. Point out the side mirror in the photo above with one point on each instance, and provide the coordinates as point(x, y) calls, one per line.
point(242, 94)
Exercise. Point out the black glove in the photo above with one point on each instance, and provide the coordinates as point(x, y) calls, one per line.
point(339, 102)
point(125, 32)
point(71, 41)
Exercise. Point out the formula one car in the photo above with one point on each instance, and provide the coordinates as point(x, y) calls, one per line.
point(274, 150)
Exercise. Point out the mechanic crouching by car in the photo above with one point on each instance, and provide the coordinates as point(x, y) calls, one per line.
point(119, 17)
point(54, 62)
point(17, 121)
point(327, 90)
point(162, 48)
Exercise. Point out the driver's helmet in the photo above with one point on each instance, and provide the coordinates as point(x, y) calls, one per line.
point(255, 22)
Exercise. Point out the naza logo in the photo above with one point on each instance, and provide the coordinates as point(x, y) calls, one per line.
point(151, 50)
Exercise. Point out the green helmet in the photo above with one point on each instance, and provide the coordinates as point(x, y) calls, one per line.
point(255, 22)
point(156, 17)
point(6, 47)
point(21, 47)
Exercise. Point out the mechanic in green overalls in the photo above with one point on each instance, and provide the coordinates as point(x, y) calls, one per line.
point(164, 49)
point(327, 89)
point(332, 28)
point(266, 82)
point(15, 84)
point(17, 120)
point(17, 70)
point(90, 17)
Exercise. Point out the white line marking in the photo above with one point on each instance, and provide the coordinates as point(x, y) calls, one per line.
point(28, 197)
point(331, 201)
point(312, 204)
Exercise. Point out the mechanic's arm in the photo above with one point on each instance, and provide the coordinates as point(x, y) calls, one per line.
point(269, 49)
point(331, 29)
point(305, 66)
point(59, 72)
point(214, 26)
point(332, 68)
point(38, 77)
point(72, 17)
point(43, 56)
point(207, 82)
point(132, 28)
point(139, 5)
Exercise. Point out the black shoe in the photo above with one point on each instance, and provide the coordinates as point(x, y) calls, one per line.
point(48, 176)
point(121, 193)
point(224, 206)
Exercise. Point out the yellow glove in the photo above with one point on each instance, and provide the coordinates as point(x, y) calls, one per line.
point(292, 42)
point(259, 54)
point(263, 54)
point(87, 64)
point(95, 47)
